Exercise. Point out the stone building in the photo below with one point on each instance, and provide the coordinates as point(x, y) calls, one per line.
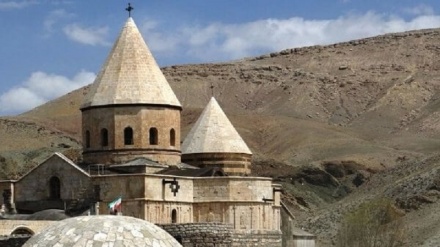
point(131, 149)
point(214, 142)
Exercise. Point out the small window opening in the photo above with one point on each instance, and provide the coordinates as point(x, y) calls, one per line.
point(55, 188)
point(104, 137)
point(154, 136)
point(22, 231)
point(87, 139)
point(174, 216)
point(172, 137)
point(128, 136)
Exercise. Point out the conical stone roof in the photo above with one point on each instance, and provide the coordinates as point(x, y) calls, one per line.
point(130, 75)
point(214, 133)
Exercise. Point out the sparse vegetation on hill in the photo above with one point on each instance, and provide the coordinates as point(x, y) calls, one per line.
point(337, 125)
point(376, 223)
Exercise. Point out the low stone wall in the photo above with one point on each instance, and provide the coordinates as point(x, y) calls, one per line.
point(34, 226)
point(221, 235)
point(201, 234)
point(257, 239)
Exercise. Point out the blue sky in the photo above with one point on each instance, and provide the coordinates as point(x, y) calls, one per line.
point(51, 47)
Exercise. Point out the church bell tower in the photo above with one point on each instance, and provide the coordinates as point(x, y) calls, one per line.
point(131, 110)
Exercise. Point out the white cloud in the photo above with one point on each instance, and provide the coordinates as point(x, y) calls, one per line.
point(39, 88)
point(219, 41)
point(16, 4)
point(162, 42)
point(88, 35)
point(54, 17)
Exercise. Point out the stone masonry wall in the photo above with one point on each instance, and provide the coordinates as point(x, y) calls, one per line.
point(257, 239)
point(201, 234)
point(35, 226)
point(221, 235)
point(233, 164)
point(140, 119)
point(35, 186)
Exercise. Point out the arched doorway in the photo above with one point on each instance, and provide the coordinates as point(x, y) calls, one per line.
point(55, 188)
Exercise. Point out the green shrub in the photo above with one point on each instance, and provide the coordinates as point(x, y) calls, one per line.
point(376, 223)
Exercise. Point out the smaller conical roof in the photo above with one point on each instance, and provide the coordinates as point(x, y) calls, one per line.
point(214, 133)
point(130, 75)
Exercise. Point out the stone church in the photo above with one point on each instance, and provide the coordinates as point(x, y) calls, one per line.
point(132, 149)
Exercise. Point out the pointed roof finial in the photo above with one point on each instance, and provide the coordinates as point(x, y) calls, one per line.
point(130, 75)
point(212, 90)
point(129, 9)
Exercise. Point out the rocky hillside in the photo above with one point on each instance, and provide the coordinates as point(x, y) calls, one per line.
point(338, 123)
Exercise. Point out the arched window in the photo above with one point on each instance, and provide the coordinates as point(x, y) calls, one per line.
point(55, 188)
point(22, 231)
point(128, 136)
point(154, 136)
point(87, 139)
point(174, 216)
point(172, 137)
point(104, 137)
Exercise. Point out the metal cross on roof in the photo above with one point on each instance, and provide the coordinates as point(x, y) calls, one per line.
point(129, 9)
point(212, 90)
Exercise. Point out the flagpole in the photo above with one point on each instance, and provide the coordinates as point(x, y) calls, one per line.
point(120, 208)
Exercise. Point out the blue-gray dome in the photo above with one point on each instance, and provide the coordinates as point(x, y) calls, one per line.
point(103, 230)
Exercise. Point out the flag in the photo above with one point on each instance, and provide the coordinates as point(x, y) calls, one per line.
point(115, 205)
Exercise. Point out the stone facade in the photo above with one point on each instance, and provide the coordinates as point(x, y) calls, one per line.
point(250, 205)
point(163, 148)
point(220, 235)
point(239, 201)
point(34, 191)
point(201, 234)
point(131, 133)
point(237, 164)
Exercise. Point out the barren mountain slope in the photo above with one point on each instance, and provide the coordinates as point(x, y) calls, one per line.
point(337, 124)
point(414, 187)
point(25, 144)
point(379, 94)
